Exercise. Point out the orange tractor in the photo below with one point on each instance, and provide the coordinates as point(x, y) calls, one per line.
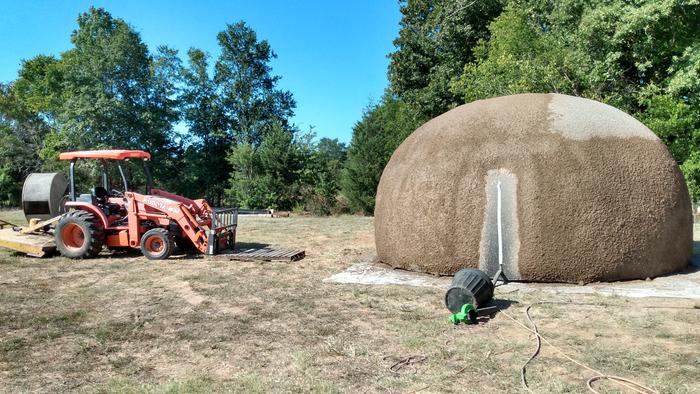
point(154, 221)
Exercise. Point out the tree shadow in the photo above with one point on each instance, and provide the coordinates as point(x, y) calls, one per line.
point(188, 255)
point(120, 253)
point(695, 258)
point(180, 254)
point(131, 253)
point(249, 245)
point(693, 266)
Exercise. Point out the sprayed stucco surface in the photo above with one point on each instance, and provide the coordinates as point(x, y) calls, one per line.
point(599, 197)
point(488, 248)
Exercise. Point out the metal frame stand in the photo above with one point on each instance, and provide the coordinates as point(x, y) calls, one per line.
point(499, 274)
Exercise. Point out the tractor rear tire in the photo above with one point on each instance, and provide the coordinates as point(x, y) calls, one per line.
point(79, 235)
point(157, 244)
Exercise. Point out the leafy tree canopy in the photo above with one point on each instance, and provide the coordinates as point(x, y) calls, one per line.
point(375, 137)
point(642, 57)
point(436, 39)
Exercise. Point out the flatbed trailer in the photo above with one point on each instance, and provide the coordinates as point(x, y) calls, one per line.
point(34, 244)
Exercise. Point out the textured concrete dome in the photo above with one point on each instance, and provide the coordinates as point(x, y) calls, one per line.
point(587, 193)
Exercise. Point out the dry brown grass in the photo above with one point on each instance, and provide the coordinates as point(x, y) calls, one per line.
point(125, 324)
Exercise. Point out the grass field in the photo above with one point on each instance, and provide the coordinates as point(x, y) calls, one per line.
point(124, 324)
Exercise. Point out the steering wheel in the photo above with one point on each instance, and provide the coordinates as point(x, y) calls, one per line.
point(116, 193)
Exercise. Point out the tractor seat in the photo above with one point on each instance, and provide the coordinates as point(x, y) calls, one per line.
point(100, 194)
point(101, 198)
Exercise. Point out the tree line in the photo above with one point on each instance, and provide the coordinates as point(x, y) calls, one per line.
point(641, 56)
point(237, 147)
point(240, 147)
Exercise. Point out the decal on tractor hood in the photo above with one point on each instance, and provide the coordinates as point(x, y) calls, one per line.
point(160, 205)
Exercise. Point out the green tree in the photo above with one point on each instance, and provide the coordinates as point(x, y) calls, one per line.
point(691, 170)
point(116, 94)
point(435, 41)
point(249, 93)
point(205, 166)
point(400, 119)
point(110, 91)
point(642, 57)
point(367, 157)
point(105, 77)
point(266, 176)
point(265, 161)
point(375, 137)
point(35, 99)
point(40, 86)
point(160, 112)
point(320, 180)
point(21, 136)
point(521, 57)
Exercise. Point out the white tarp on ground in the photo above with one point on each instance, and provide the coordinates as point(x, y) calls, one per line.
point(681, 285)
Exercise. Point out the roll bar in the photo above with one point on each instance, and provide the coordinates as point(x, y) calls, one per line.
point(146, 169)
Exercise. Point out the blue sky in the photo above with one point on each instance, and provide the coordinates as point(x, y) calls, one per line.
point(331, 54)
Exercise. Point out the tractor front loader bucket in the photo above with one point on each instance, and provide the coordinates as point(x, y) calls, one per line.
point(222, 234)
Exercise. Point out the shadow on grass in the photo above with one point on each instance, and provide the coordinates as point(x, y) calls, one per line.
point(129, 253)
point(180, 254)
point(501, 303)
point(250, 245)
point(492, 308)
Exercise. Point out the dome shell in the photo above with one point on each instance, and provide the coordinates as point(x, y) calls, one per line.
point(587, 193)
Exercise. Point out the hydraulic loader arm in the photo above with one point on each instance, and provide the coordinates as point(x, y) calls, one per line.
point(164, 210)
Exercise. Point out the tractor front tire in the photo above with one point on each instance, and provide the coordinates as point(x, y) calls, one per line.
point(79, 235)
point(157, 244)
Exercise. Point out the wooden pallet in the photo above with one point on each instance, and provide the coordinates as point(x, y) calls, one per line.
point(262, 254)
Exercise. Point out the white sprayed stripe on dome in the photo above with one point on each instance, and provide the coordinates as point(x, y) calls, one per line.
point(582, 119)
point(488, 246)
